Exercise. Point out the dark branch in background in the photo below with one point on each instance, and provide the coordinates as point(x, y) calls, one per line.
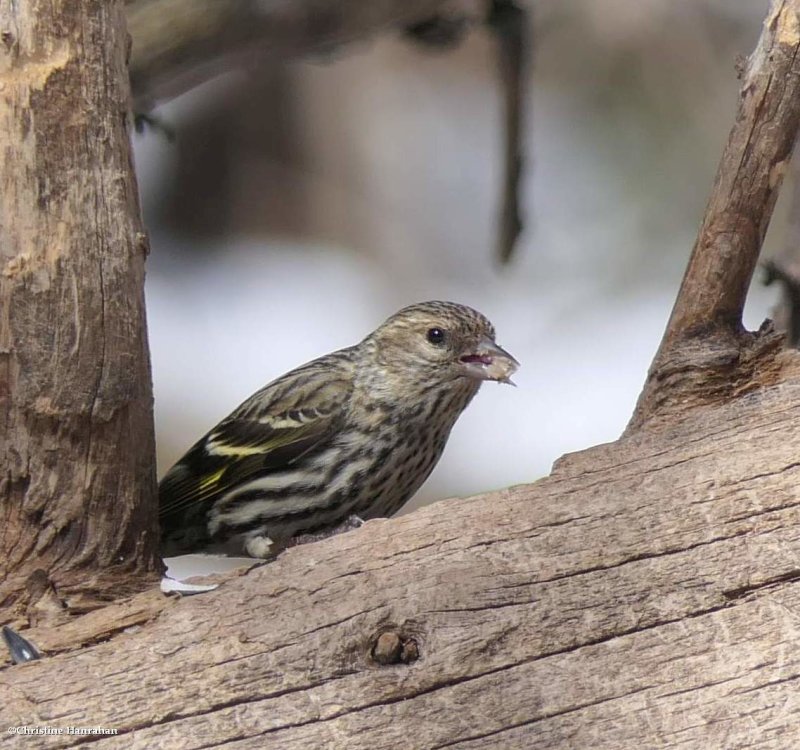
point(178, 44)
point(784, 269)
point(510, 23)
point(441, 32)
point(705, 353)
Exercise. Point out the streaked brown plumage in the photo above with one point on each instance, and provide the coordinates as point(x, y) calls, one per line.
point(353, 433)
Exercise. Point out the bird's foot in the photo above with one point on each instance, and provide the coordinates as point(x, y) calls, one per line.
point(259, 546)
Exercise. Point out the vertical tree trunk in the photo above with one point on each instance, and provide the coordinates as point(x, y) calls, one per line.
point(77, 483)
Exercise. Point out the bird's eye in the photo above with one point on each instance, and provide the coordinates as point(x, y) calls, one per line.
point(435, 336)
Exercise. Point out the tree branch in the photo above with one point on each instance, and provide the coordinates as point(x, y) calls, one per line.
point(177, 44)
point(613, 604)
point(704, 339)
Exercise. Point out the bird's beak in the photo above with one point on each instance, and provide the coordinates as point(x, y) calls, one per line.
point(489, 362)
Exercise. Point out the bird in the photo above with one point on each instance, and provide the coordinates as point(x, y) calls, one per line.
point(343, 439)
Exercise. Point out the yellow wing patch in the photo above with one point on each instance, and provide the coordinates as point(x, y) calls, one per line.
point(211, 479)
point(237, 451)
point(216, 447)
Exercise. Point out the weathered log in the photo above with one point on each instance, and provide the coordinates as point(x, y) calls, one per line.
point(646, 594)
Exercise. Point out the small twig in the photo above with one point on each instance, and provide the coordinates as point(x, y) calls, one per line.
point(705, 336)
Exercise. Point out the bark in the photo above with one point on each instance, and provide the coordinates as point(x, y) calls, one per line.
point(77, 486)
point(643, 595)
point(705, 343)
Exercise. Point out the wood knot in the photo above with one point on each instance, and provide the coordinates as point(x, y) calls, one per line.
point(391, 647)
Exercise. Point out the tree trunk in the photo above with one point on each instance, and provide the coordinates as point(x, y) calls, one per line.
point(77, 489)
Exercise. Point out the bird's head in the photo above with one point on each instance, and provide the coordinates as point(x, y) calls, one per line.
point(441, 341)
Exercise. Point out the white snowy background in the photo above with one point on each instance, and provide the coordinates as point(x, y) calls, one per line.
point(395, 166)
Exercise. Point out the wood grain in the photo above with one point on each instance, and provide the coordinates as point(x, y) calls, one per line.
point(645, 594)
point(77, 483)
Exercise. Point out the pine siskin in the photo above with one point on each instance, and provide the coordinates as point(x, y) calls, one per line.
point(352, 434)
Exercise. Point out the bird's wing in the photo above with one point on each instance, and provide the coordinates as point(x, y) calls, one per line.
point(274, 428)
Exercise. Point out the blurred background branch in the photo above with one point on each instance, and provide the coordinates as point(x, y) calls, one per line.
point(177, 44)
point(511, 26)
